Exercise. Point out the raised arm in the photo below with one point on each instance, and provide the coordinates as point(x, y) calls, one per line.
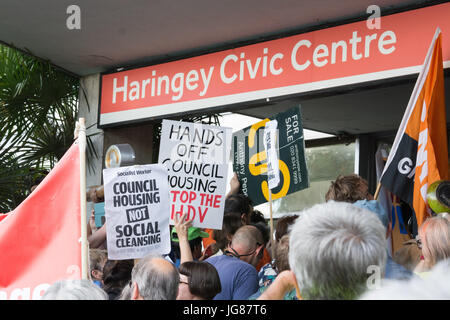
point(283, 283)
point(234, 185)
point(97, 238)
point(182, 227)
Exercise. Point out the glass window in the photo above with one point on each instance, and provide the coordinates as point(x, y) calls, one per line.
point(324, 164)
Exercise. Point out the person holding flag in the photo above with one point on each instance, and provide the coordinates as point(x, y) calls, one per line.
point(419, 154)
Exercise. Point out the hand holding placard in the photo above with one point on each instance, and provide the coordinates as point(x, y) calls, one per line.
point(234, 185)
point(182, 226)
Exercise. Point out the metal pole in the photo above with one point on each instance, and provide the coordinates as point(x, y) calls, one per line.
point(84, 243)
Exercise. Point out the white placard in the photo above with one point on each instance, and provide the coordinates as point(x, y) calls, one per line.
point(196, 157)
point(137, 211)
point(273, 173)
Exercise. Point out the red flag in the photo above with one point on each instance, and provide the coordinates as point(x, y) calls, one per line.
point(39, 240)
point(419, 153)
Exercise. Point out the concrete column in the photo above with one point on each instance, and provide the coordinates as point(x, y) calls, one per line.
point(88, 108)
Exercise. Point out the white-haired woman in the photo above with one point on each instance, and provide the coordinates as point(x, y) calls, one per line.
point(434, 239)
point(74, 290)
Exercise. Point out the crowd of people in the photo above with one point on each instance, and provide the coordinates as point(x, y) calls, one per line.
point(334, 250)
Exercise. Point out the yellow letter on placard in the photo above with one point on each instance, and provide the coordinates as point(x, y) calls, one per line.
point(257, 167)
point(286, 183)
point(252, 132)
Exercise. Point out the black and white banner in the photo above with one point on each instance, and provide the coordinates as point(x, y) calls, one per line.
point(137, 211)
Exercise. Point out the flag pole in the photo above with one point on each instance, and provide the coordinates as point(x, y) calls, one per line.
point(271, 223)
point(81, 131)
point(377, 192)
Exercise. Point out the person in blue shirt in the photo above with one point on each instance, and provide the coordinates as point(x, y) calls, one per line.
point(97, 259)
point(393, 269)
point(236, 267)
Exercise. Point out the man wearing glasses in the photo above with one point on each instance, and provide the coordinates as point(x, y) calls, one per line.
point(236, 267)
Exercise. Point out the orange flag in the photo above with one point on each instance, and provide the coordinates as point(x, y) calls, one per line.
point(419, 154)
point(39, 240)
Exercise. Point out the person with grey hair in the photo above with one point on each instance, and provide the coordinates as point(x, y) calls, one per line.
point(76, 289)
point(434, 287)
point(154, 278)
point(333, 248)
point(126, 293)
point(393, 269)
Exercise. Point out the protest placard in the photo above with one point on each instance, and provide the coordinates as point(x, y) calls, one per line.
point(137, 211)
point(196, 156)
point(250, 157)
point(270, 141)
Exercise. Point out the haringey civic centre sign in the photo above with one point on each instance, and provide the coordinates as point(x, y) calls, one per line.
point(316, 60)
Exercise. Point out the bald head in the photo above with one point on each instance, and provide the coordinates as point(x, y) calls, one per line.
point(155, 278)
point(247, 237)
point(161, 264)
point(248, 244)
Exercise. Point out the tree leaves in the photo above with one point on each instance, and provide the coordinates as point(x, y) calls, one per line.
point(38, 106)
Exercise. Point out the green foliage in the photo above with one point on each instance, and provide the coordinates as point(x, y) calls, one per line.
point(38, 106)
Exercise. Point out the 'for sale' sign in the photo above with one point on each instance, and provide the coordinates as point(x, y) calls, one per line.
point(255, 167)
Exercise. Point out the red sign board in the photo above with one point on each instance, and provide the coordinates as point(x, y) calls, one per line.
point(326, 58)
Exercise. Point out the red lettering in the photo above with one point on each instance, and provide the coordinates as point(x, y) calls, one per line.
point(192, 196)
point(217, 199)
point(179, 213)
point(210, 200)
point(184, 196)
point(175, 192)
point(207, 199)
point(202, 215)
point(191, 209)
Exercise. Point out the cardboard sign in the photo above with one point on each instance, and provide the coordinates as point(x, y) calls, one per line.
point(273, 172)
point(196, 157)
point(250, 158)
point(137, 211)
